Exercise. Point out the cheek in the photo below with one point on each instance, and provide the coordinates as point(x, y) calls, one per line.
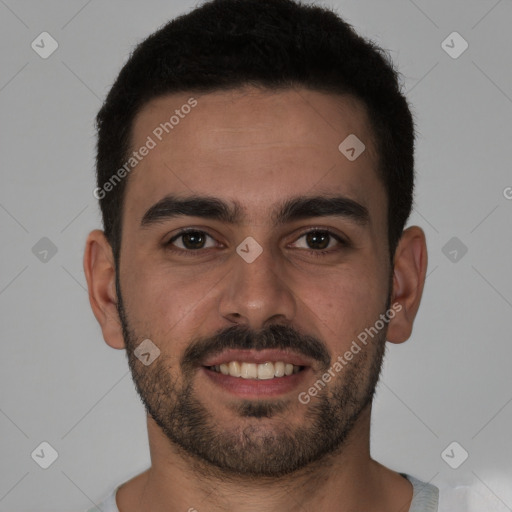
point(344, 305)
point(163, 304)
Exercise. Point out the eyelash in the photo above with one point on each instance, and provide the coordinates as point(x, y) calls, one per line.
point(199, 252)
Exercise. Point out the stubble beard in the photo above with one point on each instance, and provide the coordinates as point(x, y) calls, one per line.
point(262, 443)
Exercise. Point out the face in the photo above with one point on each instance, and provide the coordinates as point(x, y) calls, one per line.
point(252, 247)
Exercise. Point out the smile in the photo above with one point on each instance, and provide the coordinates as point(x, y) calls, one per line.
point(262, 371)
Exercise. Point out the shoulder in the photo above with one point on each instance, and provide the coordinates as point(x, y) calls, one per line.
point(425, 495)
point(467, 494)
point(108, 504)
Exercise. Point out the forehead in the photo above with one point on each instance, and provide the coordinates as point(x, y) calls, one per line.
point(252, 146)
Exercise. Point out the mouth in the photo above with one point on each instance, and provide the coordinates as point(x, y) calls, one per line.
point(253, 374)
point(263, 371)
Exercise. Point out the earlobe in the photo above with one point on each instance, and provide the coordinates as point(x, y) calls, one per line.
point(410, 267)
point(100, 272)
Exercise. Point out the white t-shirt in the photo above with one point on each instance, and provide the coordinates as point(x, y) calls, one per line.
point(426, 498)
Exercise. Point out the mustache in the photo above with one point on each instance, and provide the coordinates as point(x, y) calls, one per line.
point(279, 337)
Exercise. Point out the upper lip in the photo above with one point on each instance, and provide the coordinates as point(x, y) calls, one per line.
point(257, 357)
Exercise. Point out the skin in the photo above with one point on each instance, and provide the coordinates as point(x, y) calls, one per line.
point(259, 148)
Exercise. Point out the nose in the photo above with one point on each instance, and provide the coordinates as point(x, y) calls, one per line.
point(258, 294)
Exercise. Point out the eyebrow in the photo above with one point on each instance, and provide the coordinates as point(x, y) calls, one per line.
point(295, 208)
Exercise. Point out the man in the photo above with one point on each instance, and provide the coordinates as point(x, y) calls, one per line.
point(255, 174)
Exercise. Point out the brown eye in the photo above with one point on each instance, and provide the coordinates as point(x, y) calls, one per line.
point(191, 240)
point(320, 240)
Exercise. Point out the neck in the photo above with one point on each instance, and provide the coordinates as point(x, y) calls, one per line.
point(347, 479)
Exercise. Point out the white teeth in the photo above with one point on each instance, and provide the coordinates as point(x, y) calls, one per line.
point(261, 371)
point(249, 371)
point(234, 369)
point(279, 369)
point(265, 371)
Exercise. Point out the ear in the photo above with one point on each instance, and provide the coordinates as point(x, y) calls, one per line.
point(410, 268)
point(99, 268)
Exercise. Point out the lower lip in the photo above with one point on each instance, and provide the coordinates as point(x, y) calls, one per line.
point(255, 388)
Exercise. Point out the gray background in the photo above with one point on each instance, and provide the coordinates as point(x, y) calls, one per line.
point(61, 383)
